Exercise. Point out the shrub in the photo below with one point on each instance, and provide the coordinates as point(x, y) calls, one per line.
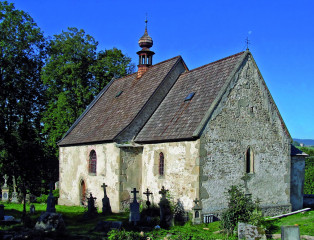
point(42, 199)
point(241, 208)
point(124, 235)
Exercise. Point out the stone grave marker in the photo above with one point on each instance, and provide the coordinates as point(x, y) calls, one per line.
point(134, 209)
point(91, 209)
point(197, 218)
point(249, 232)
point(166, 215)
point(5, 189)
point(14, 194)
point(32, 209)
point(51, 201)
point(106, 208)
point(290, 233)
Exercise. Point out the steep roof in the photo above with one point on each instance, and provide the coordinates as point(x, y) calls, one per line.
point(176, 118)
point(108, 114)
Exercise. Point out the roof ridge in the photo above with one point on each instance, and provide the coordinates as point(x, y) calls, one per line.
point(166, 60)
point(220, 60)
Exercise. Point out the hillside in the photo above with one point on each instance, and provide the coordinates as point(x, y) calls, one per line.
point(306, 142)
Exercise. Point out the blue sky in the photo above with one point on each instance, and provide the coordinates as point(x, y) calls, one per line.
point(281, 35)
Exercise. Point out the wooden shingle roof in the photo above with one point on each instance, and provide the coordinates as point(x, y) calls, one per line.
point(108, 115)
point(176, 118)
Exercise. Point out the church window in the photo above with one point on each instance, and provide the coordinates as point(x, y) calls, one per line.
point(189, 97)
point(92, 162)
point(249, 159)
point(161, 164)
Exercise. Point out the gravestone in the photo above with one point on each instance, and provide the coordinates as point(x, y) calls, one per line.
point(147, 193)
point(5, 189)
point(106, 208)
point(14, 194)
point(51, 201)
point(91, 209)
point(249, 232)
point(197, 210)
point(49, 221)
point(106, 226)
point(32, 209)
point(166, 215)
point(290, 233)
point(1, 212)
point(134, 209)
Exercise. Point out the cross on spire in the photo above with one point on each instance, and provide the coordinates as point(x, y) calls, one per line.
point(247, 41)
point(134, 193)
point(104, 187)
point(163, 192)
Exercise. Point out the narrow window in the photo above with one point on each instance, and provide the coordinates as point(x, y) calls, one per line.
point(249, 161)
point(92, 162)
point(161, 164)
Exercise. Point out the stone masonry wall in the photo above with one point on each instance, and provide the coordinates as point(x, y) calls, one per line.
point(130, 173)
point(181, 172)
point(245, 117)
point(73, 168)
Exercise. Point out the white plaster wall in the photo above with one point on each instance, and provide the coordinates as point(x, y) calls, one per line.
point(73, 167)
point(181, 172)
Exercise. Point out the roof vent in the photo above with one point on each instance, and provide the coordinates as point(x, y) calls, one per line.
point(189, 97)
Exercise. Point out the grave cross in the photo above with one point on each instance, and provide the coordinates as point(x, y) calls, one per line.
point(163, 192)
point(104, 187)
point(147, 193)
point(134, 193)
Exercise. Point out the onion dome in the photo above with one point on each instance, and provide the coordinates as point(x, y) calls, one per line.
point(145, 41)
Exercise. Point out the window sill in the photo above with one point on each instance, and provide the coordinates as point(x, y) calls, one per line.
point(161, 177)
point(92, 174)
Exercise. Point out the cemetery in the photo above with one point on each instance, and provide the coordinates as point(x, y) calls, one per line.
point(22, 217)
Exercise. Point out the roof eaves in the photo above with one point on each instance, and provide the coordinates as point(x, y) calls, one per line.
point(87, 109)
point(216, 101)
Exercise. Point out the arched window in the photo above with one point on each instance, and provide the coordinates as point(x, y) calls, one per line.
point(92, 162)
point(161, 164)
point(249, 159)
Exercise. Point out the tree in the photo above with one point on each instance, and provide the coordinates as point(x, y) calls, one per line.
point(22, 50)
point(74, 73)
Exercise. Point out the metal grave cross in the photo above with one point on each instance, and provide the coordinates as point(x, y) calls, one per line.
point(134, 192)
point(147, 193)
point(104, 187)
point(163, 192)
point(51, 188)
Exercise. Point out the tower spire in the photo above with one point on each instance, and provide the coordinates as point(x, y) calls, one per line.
point(145, 55)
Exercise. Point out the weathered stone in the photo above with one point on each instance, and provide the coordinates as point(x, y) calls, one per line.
point(290, 233)
point(249, 232)
point(50, 222)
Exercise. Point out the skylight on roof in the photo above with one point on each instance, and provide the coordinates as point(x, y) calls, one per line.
point(189, 97)
point(119, 93)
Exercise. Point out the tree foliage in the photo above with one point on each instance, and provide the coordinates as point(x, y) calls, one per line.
point(241, 208)
point(22, 50)
point(74, 73)
point(309, 170)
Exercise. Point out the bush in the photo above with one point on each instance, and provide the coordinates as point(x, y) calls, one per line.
point(241, 208)
point(42, 199)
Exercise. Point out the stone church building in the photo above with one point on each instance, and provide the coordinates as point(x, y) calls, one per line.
point(195, 132)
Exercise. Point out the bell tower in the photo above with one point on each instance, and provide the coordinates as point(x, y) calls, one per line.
point(145, 55)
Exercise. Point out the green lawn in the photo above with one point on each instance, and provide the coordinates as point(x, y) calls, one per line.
point(78, 226)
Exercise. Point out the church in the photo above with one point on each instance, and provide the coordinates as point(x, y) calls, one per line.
point(195, 132)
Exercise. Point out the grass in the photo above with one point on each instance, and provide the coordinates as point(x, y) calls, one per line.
point(78, 227)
